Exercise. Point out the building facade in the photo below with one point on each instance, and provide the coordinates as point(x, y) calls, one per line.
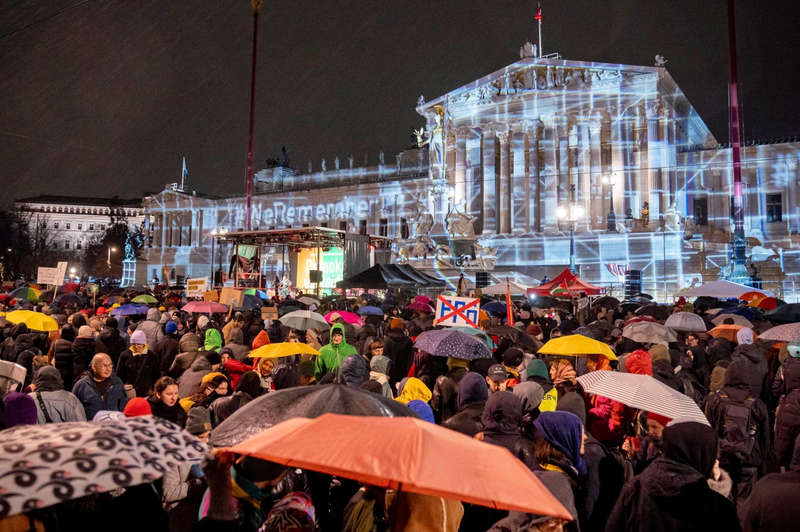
point(543, 164)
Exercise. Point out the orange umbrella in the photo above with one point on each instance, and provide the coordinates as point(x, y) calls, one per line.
point(768, 303)
point(751, 296)
point(728, 332)
point(408, 454)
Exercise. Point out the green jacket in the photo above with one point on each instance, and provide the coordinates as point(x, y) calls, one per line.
point(333, 355)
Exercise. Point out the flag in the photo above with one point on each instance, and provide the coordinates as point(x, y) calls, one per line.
point(560, 289)
point(539, 14)
point(166, 274)
point(617, 269)
point(185, 174)
point(509, 305)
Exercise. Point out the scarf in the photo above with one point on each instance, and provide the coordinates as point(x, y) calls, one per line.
point(380, 377)
point(244, 490)
point(562, 371)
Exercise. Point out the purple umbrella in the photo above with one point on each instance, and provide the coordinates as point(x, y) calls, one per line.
point(453, 344)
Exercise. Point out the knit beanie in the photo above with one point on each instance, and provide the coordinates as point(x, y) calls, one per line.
point(20, 409)
point(396, 323)
point(198, 421)
point(171, 327)
point(658, 418)
point(138, 406)
point(213, 357)
point(138, 337)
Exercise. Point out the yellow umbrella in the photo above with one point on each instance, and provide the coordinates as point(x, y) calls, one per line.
point(284, 349)
point(576, 345)
point(34, 320)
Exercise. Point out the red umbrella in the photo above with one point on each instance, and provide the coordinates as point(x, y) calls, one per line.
point(67, 288)
point(205, 306)
point(419, 305)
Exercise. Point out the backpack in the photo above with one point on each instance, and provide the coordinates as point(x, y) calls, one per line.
point(739, 430)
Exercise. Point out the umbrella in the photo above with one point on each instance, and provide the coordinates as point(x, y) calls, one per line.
point(606, 301)
point(69, 299)
point(113, 299)
point(249, 302)
point(144, 299)
point(406, 454)
point(728, 332)
point(208, 307)
point(516, 335)
point(767, 303)
point(302, 320)
point(26, 292)
point(68, 288)
point(419, 305)
point(603, 325)
point(283, 311)
point(576, 345)
point(746, 312)
point(642, 392)
point(737, 320)
point(477, 333)
point(34, 320)
point(129, 310)
point(256, 292)
point(283, 349)
point(308, 300)
point(544, 302)
point(495, 307)
point(422, 299)
point(640, 319)
point(453, 344)
point(686, 321)
point(370, 311)
point(303, 401)
point(751, 296)
point(649, 333)
point(655, 311)
point(783, 333)
point(55, 462)
point(47, 295)
point(629, 306)
point(348, 317)
point(784, 314)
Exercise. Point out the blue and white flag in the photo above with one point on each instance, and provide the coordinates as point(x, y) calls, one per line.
point(185, 174)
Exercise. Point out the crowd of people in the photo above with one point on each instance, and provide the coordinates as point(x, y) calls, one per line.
point(612, 467)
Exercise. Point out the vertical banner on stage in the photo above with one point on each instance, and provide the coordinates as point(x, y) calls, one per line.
point(454, 311)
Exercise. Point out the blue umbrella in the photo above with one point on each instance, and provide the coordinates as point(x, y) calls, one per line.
point(250, 302)
point(477, 333)
point(746, 312)
point(370, 311)
point(69, 299)
point(497, 307)
point(130, 310)
point(453, 344)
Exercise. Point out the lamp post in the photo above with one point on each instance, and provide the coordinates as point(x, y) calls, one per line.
point(571, 214)
point(108, 260)
point(610, 180)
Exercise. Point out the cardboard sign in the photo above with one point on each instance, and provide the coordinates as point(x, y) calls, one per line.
point(196, 287)
point(269, 313)
point(454, 311)
point(47, 276)
point(211, 295)
point(231, 296)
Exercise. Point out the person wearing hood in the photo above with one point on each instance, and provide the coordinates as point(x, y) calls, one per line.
point(164, 401)
point(470, 402)
point(109, 341)
point(249, 388)
point(755, 361)
point(236, 344)
point(56, 405)
point(334, 353)
point(354, 371)
point(26, 351)
point(662, 367)
point(426, 368)
point(9, 353)
point(531, 395)
point(413, 388)
point(151, 327)
point(563, 375)
point(773, 503)
point(82, 352)
point(673, 494)
point(399, 348)
point(379, 371)
point(212, 341)
point(537, 372)
point(168, 347)
point(99, 389)
point(138, 367)
point(61, 355)
point(719, 349)
point(501, 417)
point(742, 424)
point(189, 382)
point(189, 350)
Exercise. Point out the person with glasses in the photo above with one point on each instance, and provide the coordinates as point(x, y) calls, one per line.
point(100, 389)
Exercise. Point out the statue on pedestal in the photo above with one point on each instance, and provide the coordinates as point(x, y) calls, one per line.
point(672, 216)
point(336, 163)
point(459, 222)
point(424, 220)
point(646, 215)
point(380, 158)
point(324, 166)
point(351, 161)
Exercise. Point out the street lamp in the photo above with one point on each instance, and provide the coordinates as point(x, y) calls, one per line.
point(108, 261)
point(571, 214)
point(610, 180)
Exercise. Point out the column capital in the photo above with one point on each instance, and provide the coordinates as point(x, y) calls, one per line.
point(503, 135)
point(463, 132)
point(490, 127)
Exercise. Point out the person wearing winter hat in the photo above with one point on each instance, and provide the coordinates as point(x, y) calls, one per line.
point(20, 409)
point(138, 367)
point(82, 351)
point(168, 348)
point(198, 422)
point(422, 409)
point(396, 323)
point(652, 445)
point(307, 377)
point(138, 406)
point(512, 361)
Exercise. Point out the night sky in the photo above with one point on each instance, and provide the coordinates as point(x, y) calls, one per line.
point(106, 98)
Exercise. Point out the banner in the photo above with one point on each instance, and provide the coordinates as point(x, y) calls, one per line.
point(454, 311)
point(48, 276)
point(196, 287)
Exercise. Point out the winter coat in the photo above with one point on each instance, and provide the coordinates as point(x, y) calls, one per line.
point(445, 393)
point(190, 381)
point(63, 360)
point(175, 413)
point(665, 373)
point(189, 347)
point(236, 344)
point(756, 368)
point(25, 351)
point(354, 371)
point(500, 419)
point(82, 353)
point(673, 494)
point(400, 350)
point(110, 342)
point(167, 349)
point(222, 408)
point(61, 405)
point(151, 327)
point(10, 347)
point(87, 393)
point(426, 368)
point(787, 419)
point(235, 369)
point(129, 371)
point(772, 505)
point(333, 355)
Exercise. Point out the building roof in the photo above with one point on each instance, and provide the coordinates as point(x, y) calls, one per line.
point(80, 200)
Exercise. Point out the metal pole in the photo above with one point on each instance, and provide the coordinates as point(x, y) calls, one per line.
point(256, 4)
point(213, 241)
point(572, 267)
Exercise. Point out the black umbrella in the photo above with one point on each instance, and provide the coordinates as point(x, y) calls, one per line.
point(601, 325)
point(516, 335)
point(784, 314)
point(69, 299)
point(544, 302)
point(642, 295)
point(654, 311)
point(305, 401)
point(629, 306)
point(606, 302)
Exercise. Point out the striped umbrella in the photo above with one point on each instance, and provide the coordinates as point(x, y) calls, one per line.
point(642, 392)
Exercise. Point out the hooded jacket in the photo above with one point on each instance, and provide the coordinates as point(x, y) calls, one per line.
point(333, 355)
point(672, 494)
point(60, 404)
point(473, 393)
point(379, 371)
point(189, 350)
point(191, 379)
point(110, 342)
point(150, 327)
point(212, 341)
point(10, 351)
point(773, 502)
point(236, 344)
point(82, 353)
point(414, 389)
point(25, 352)
point(354, 371)
point(87, 393)
point(167, 349)
point(400, 350)
point(249, 389)
point(755, 366)
point(501, 417)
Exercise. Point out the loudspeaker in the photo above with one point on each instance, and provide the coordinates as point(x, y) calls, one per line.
point(482, 279)
point(633, 283)
point(315, 276)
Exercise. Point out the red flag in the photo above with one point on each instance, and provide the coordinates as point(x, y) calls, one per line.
point(539, 14)
point(509, 306)
point(166, 274)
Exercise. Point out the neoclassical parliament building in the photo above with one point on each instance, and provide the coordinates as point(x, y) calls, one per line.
point(542, 164)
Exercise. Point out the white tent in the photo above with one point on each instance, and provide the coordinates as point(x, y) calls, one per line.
point(500, 289)
point(720, 289)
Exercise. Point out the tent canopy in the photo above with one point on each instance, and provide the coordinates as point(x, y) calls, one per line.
point(720, 289)
point(574, 285)
point(500, 289)
point(382, 276)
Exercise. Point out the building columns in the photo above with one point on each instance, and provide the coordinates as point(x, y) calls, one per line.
point(550, 175)
point(490, 169)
